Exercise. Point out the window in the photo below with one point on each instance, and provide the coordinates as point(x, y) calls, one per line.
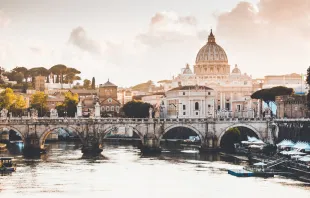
point(184, 113)
point(184, 107)
point(109, 100)
point(102, 108)
point(183, 93)
point(107, 108)
point(196, 113)
point(112, 108)
point(238, 107)
point(209, 106)
point(117, 108)
point(209, 93)
point(196, 106)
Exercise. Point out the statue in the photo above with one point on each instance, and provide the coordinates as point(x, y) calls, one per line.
point(150, 112)
point(34, 113)
point(53, 113)
point(97, 110)
point(4, 113)
point(79, 109)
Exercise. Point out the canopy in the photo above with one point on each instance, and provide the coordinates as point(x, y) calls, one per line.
point(252, 139)
point(293, 152)
point(255, 146)
point(296, 156)
point(286, 143)
point(260, 164)
point(305, 159)
point(302, 145)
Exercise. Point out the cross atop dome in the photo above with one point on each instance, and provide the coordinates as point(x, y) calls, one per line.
point(211, 38)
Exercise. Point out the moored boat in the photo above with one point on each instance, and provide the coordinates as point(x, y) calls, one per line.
point(6, 164)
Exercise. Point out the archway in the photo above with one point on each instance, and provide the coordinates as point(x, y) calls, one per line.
point(121, 132)
point(235, 134)
point(70, 131)
point(180, 137)
point(10, 134)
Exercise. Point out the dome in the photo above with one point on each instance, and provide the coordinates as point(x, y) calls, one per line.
point(211, 52)
point(187, 70)
point(236, 70)
point(108, 84)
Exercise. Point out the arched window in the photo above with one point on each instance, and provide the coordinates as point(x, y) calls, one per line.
point(108, 108)
point(196, 106)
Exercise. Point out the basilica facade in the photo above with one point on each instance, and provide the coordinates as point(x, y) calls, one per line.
point(232, 88)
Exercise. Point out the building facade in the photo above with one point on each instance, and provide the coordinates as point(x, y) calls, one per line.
point(188, 101)
point(232, 88)
point(294, 106)
point(107, 95)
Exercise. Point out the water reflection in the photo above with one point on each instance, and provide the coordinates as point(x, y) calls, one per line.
point(121, 171)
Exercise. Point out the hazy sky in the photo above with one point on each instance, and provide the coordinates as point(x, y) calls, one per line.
point(139, 40)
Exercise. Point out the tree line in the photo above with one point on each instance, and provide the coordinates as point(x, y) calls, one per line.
point(56, 74)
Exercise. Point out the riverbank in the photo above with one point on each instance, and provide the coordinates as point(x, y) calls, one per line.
point(284, 167)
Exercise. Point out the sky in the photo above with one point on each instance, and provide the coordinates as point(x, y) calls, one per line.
point(130, 42)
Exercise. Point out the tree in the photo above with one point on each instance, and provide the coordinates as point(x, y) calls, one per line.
point(19, 77)
point(93, 83)
point(7, 98)
point(86, 84)
point(39, 102)
point(24, 71)
point(136, 109)
point(68, 106)
point(269, 95)
point(59, 70)
point(19, 105)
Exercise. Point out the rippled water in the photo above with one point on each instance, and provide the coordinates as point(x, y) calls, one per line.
point(123, 172)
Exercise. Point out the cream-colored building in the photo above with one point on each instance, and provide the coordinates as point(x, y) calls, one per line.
point(188, 101)
point(232, 88)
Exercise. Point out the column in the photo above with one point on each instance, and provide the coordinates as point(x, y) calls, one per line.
point(258, 108)
point(231, 96)
point(221, 100)
point(224, 100)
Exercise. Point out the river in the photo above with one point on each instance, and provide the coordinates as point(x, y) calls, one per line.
point(121, 171)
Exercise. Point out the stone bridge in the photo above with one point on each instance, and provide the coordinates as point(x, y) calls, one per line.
point(91, 131)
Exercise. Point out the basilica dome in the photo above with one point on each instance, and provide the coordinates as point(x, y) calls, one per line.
point(211, 52)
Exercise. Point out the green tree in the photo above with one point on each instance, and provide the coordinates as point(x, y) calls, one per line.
point(7, 98)
point(136, 109)
point(68, 106)
point(60, 71)
point(24, 71)
point(86, 84)
point(39, 102)
point(269, 95)
point(93, 83)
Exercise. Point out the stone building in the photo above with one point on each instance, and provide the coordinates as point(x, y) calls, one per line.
point(188, 102)
point(232, 90)
point(109, 104)
point(292, 106)
point(39, 83)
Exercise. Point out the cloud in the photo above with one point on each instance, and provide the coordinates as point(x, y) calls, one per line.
point(4, 20)
point(271, 34)
point(79, 38)
point(169, 28)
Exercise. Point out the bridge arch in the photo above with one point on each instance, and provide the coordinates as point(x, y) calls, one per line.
point(238, 125)
point(22, 135)
point(182, 126)
point(51, 129)
point(135, 130)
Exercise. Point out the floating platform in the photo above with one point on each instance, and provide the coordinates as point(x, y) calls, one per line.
point(245, 173)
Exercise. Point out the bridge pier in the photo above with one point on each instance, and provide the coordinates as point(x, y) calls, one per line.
point(32, 145)
point(209, 145)
point(91, 145)
point(150, 144)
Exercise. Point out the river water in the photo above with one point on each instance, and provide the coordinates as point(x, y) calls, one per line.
point(121, 171)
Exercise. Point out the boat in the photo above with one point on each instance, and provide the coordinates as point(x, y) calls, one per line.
point(6, 164)
point(257, 170)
